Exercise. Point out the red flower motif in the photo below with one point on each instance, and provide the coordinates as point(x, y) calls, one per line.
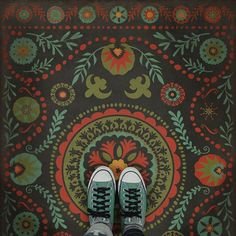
point(118, 60)
point(118, 153)
point(210, 170)
point(212, 14)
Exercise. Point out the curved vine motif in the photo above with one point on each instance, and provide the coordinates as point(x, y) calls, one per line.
point(225, 90)
point(57, 217)
point(195, 66)
point(225, 211)
point(151, 65)
point(225, 93)
point(189, 42)
point(40, 67)
point(9, 206)
point(84, 64)
point(57, 118)
point(179, 212)
point(178, 123)
point(46, 42)
point(9, 126)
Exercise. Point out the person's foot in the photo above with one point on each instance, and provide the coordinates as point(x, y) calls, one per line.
point(132, 195)
point(101, 197)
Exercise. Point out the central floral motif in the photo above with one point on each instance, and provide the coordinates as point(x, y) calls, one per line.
point(118, 153)
point(118, 59)
point(117, 139)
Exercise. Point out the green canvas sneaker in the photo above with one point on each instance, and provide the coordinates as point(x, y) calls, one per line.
point(132, 193)
point(101, 197)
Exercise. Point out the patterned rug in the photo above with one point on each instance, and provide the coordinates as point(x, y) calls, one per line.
point(147, 84)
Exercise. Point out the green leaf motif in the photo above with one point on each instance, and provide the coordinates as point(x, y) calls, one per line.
point(47, 42)
point(225, 211)
point(131, 156)
point(225, 92)
point(188, 42)
point(9, 206)
point(195, 66)
point(119, 151)
point(57, 217)
point(226, 131)
point(178, 218)
point(9, 125)
point(151, 63)
point(179, 128)
point(84, 64)
point(106, 157)
point(40, 66)
point(57, 118)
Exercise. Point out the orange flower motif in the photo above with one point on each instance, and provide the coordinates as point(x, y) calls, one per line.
point(117, 166)
point(117, 154)
point(118, 60)
point(150, 14)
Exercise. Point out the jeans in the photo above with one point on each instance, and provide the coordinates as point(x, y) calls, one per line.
point(100, 229)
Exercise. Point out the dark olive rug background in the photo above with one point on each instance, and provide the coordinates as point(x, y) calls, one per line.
point(149, 84)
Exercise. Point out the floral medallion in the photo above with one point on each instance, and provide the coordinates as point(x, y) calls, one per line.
point(172, 94)
point(23, 51)
point(62, 94)
point(181, 14)
point(25, 224)
point(26, 109)
point(213, 51)
point(24, 14)
point(118, 60)
point(118, 15)
point(150, 14)
point(210, 170)
point(209, 226)
point(87, 14)
point(55, 14)
point(118, 138)
point(212, 14)
point(25, 168)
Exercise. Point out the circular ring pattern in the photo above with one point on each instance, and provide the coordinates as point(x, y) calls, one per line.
point(87, 14)
point(23, 51)
point(116, 138)
point(213, 51)
point(26, 109)
point(62, 94)
point(118, 15)
point(24, 14)
point(55, 14)
point(150, 14)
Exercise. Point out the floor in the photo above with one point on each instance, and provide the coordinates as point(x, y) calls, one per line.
point(117, 83)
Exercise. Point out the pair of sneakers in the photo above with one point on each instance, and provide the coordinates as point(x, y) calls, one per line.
point(132, 197)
